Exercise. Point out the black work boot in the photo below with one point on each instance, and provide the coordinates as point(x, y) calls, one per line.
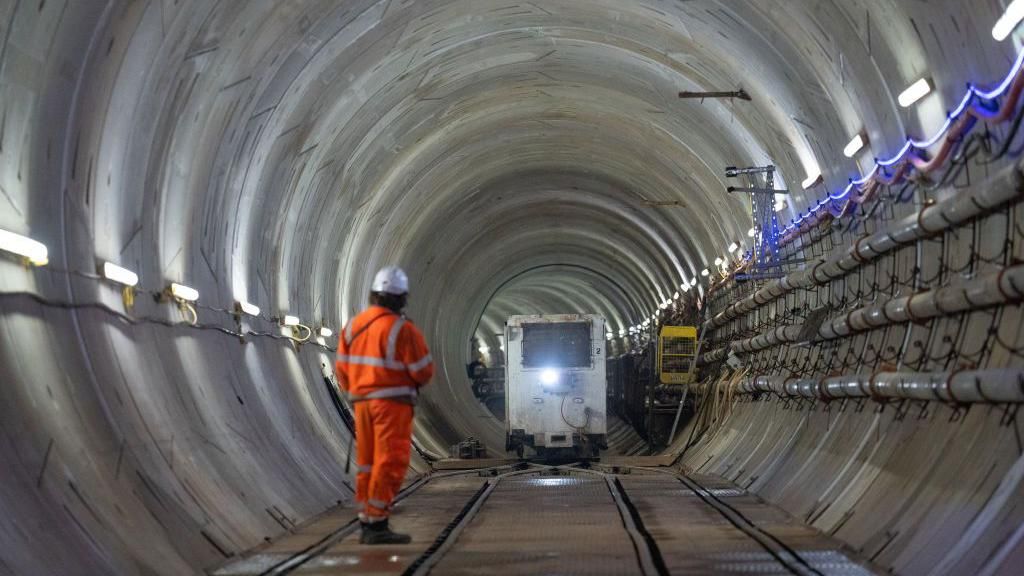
point(379, 533)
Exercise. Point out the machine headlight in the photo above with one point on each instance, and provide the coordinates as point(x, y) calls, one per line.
point(549, 377)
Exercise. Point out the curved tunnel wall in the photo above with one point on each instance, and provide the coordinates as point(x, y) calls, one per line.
point(279, 152)
point(920, 483)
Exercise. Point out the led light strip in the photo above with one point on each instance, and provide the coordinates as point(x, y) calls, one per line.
point(911, 143)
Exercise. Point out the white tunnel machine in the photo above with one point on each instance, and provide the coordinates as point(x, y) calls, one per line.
point(555, 387)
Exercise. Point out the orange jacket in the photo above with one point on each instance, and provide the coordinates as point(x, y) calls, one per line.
point(382, 355)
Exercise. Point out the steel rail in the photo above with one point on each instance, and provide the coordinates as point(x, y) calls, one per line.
point(647, 553)
point(741, 522)
point(426, 561)
point(648, 556)
point(646, 547)
point(299, 558)
point(318, 548)
point(786, 556)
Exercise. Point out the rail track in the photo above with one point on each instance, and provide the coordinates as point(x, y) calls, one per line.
point(574, 517)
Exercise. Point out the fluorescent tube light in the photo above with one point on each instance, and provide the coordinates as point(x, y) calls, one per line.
point(1011, 17)
point(23, 246)
point(183, 292)
point(915, 92)
point(810, 181)
point(115, 273)
point(855, 145)
point(780, 202)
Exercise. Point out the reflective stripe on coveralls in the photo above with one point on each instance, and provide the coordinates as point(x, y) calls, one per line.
point(371, 361)
point(420, 364)
point(389, 355)
point(385, 363)
point(392, 392)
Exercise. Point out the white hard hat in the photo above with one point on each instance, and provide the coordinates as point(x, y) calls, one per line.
point(391, 280)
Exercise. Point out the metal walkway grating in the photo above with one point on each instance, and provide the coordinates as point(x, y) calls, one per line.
point(566, 521)
point(545, 525)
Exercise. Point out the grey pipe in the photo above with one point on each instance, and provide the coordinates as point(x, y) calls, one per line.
point(998, 385)
point(992, 289)
point(931, 220)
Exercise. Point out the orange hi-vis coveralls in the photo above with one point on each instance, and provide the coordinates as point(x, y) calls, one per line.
point(382, 362)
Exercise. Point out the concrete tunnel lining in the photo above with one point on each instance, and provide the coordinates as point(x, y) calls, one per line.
point(280, 152)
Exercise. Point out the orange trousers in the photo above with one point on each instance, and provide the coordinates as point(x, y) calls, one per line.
point(383, 440)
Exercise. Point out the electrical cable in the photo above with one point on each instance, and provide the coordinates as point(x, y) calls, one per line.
point(309, 333)
point(162, 294)
point(139, 320)
point(187, 309)
point(586, 412)
point(188, 312)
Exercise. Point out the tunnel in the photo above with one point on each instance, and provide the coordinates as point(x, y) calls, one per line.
point(195, 196)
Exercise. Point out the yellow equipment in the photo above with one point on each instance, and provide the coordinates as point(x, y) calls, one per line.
point(677, 347)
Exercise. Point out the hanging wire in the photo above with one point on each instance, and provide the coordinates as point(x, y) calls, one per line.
point(187, 310)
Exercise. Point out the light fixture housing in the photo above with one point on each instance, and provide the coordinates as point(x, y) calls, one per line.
point(23, 246)
point(752, 232)
point(733, 247)
point(676, 296)
point(290, 320)
point(719, 261)
point(182, 292)
point(326, 332)
point(915, 92)
point(247, 308)
point(1011, 17)
point(115, 273)
point(705, 272)
point(856, 145)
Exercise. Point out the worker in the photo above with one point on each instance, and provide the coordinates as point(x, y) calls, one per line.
point(382, 363)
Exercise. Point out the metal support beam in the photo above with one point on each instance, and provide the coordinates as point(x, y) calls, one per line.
point(754, 190)
point(762, 212)
point(738, 94)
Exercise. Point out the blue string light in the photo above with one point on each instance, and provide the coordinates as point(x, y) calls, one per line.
point(972, 92)
point(896, 158)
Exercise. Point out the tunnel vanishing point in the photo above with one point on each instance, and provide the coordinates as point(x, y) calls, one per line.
point(194, 196)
